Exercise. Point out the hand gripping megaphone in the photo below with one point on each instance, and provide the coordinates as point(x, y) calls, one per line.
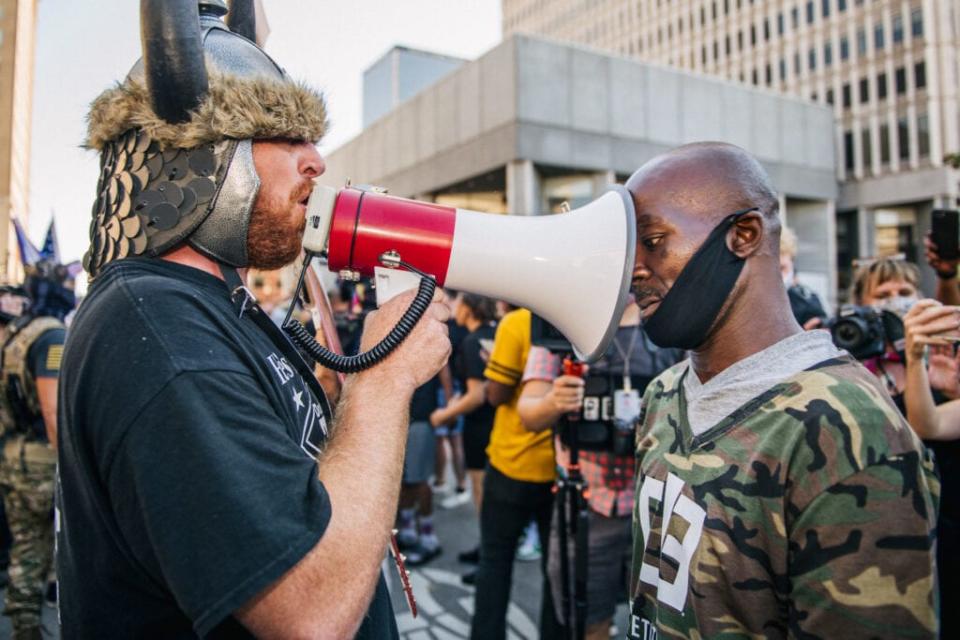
point(573, 269)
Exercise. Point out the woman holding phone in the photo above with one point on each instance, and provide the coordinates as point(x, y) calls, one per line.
point(930, 324)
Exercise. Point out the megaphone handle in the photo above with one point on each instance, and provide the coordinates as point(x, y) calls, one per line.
point(353, 364)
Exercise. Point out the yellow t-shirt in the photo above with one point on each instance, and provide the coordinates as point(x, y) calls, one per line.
point(513, 450)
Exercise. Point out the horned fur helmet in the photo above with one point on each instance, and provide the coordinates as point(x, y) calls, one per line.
point(176, 136)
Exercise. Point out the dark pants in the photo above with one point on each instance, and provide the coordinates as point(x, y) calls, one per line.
point(508, 506)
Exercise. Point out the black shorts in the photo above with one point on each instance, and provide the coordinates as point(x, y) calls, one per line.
point(476, 437)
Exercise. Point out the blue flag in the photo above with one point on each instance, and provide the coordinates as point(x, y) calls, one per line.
point(28, 253)
point(51, 248)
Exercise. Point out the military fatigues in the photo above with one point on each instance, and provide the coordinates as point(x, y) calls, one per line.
point(28, 470)
point(810, 513)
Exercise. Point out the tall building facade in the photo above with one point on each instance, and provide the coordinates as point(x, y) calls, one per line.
point(17, 30)
point(888, 69)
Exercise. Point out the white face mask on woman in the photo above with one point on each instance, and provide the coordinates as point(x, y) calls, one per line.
point(899, 305)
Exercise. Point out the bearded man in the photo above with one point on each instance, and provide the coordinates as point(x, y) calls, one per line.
point(779, 492)
point(199, 495)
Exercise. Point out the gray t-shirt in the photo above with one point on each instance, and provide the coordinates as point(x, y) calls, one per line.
point(708, 404)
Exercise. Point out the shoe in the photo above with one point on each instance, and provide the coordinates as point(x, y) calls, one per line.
point(470, 557)
point(469, 578)
point(460, 497)
point(407, 540)
point(421, 556)
point(529, 548)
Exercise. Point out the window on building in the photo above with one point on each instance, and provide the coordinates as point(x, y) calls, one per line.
point(846, 96)
point(848, 150)
point(703, 16)
point(726, 45)
point(726, 7)
point(766, 30)
point(714, 10)
point(878, 37)
point(884, 144)
point(813, 97)
point(810, 12)
point(841, 5)
point(826, 8)
point(897, 29)
point(716, 50)
point(753, 35)
point(827, 54)
point(830, 96)
point(865, 148)
point(739, 40)
point(923, 135)
point(916, 23)
point(864, 90)
point(844, 48)
point(796, 64)
point(881, 86)
point(812, 59)
point(783, 70)
point(903, 138)
point(795, 18)
point(703, 55)
point(755, 78)
point(861, 43)
point(780, 24)
point(769, 75)
point(900, 78)
point(920, 75)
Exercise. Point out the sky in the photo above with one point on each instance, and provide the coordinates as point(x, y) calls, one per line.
point(82, 47)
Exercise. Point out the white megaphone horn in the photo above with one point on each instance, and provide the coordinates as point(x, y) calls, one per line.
point(572, 269)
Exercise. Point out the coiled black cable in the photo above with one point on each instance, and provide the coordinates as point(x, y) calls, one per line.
point(352, 364)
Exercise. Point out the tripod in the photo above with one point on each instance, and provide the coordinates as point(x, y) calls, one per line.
point(572, 521)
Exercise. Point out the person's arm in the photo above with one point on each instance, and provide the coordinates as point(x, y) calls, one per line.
point(446, 382)
point(328, 592)
point(948, 289)
point(542, 403)
point(922, 323)
point(47, 394)
point(862, 557)
point(44, 358)
point(461, 405)
point(499, 393)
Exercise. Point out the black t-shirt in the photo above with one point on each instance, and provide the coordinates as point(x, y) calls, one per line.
point(424, 400)
point(188, 479)
point(470, 364)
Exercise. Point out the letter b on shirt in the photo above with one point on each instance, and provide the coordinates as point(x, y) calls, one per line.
point(679, 514)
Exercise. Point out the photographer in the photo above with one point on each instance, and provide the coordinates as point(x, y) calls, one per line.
point(630, 362)
point(931, 326)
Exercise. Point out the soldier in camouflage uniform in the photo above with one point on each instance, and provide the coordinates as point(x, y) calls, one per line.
point(28, 392)
point(779, 492)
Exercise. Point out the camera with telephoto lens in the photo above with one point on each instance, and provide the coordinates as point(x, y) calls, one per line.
point(865, 332)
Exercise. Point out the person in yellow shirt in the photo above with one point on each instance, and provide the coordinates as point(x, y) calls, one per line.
point(517, 485)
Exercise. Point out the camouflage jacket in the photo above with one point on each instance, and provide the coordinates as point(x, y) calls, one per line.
point(809, 513)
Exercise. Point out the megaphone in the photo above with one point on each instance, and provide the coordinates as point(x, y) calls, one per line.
point(572, 269)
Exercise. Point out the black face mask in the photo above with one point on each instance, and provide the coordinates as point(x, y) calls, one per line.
point(693, 303)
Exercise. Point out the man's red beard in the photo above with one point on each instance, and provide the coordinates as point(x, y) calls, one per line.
point(275, 236)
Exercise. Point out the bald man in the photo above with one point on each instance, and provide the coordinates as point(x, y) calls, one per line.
point(779, 492)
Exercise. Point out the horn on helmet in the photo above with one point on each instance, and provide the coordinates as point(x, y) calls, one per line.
point(242, 19)
point(173, 57)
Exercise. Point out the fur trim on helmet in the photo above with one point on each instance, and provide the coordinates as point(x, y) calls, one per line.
point(237, 108)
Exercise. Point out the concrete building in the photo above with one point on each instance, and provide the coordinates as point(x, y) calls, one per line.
point(17, 30)
point(533, 124)
point(399, 75)
point(888, 69)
